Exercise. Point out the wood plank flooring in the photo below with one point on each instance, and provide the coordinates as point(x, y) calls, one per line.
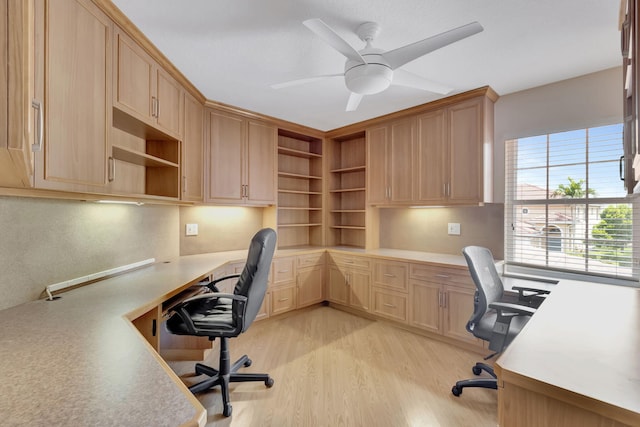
point(332, 368)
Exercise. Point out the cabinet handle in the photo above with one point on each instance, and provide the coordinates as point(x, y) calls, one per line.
point(444, 300)
point(442, 276)
point(621, 162)
point(283, 299)
point(389, 305)
point(37, 146)
point(153, 106)
point(246, 191)
point(349, 261)
point(112, 169)
point(389, 275)
point(184, 184)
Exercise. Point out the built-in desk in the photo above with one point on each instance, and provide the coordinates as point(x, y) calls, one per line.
point(78, 361)
point(576, 362)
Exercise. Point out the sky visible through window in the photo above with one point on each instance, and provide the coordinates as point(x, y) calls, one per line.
point(567, 157)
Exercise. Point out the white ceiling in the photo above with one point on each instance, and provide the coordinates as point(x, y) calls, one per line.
point(233, 50)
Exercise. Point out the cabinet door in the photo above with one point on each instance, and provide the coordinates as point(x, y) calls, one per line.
point(309, 283)
point(134, 78)
point(192, 151)
point(466, 157)
point(359, 282)
point(260, 163)
point(458, 307)
point(77, 90)
point(338, 291)
point(283, 299)
point(432, 171)
point(226, 136)
point(16, 113)
point(169, 103)
point(377, 190)
point(391, 275)
point(390, 304)
point(400, 161)
point(424, 312)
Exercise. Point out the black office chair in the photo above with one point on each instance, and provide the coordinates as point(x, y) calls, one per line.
point(220, 315)
point(494, 319)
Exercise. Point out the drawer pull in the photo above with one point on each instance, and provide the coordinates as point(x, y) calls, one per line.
point(283, 271)
point(283, 299)
point(389, 305)
point(349, 261)
point(389, 275)
point(442, 276)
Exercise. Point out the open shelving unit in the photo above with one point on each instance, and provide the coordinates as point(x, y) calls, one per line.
point(146, 154)
point(347, 192)
point(299, 190)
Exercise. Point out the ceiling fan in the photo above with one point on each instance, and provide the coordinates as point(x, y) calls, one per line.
point(371, 70)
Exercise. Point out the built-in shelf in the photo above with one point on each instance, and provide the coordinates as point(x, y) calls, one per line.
point(300, 190)
point(347, 194)
point(140, 159)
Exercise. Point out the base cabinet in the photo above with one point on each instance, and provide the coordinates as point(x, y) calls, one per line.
point(390, 286)
point(442, 301)
point(350, 281)
point(310, 279)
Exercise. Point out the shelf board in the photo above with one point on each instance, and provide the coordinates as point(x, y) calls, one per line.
point(298, 153)
point(297, 175)
point(293, 208)
point(139, 158)
point(351, 169)
point(347, 190)
point(348, 211)
point(300, 225)
point(313, 193)
point(348, 227)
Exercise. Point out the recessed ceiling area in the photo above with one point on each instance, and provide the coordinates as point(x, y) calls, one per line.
point(233, 51)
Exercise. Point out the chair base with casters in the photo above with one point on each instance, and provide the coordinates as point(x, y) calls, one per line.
point(226, 374)
point(477, 382)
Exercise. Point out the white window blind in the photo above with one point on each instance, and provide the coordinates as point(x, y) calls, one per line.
point(565, 206)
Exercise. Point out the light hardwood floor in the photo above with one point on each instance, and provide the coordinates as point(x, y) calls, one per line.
point(332, 368)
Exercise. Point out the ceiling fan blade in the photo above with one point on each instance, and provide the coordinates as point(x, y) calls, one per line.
point(303, 81)
point(354, 101)
point(400, 56)
point(327, 34)
point(405, 78)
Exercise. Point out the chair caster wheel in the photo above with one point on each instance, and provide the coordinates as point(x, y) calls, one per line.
point(269, 382)
point(227, 410)
point(456, 391)
point(247, 363)
point(476, 370)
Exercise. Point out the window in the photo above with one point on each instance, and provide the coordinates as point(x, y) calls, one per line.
point(565, 206)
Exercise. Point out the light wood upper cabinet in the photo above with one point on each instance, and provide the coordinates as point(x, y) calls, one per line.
point(17, 130)
point(432, 157)
point(142, 89)
point(193, 150)
point(73, 77)
point(390, 152)
point(241, 157)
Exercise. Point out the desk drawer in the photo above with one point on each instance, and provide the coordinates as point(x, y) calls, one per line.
point(391, 305)
point(351, 261)
point(283, 270)
point(283, 299)
point(439, 274)
point(310, 260)
point(392, 275)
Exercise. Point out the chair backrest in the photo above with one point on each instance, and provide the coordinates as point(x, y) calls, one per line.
point(489, 287)
point(254, 278)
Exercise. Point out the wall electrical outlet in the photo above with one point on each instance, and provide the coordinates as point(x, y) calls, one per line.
point(453, 228)
point(191, 229)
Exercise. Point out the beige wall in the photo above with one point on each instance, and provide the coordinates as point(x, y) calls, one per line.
point(426, 229)
point(49, 241)
point(220, 228)
point(590, 100)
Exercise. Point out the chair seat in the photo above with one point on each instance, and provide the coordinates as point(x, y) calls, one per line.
point(207, 315)
point(484, 328)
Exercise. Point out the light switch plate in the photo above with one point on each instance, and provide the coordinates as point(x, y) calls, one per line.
point(453, 228)
point(191, 229)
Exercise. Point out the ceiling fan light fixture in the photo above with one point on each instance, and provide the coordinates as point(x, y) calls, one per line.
point(368, 79)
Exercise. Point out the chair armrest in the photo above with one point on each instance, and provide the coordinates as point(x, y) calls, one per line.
point(212, 285)
point(507, 308)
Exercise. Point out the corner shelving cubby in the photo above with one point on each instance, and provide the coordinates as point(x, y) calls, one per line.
point(299, 190)
point(347, 193)
point(146, 160)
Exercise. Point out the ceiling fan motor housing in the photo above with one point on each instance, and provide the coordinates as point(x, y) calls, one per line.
point(370, 78)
